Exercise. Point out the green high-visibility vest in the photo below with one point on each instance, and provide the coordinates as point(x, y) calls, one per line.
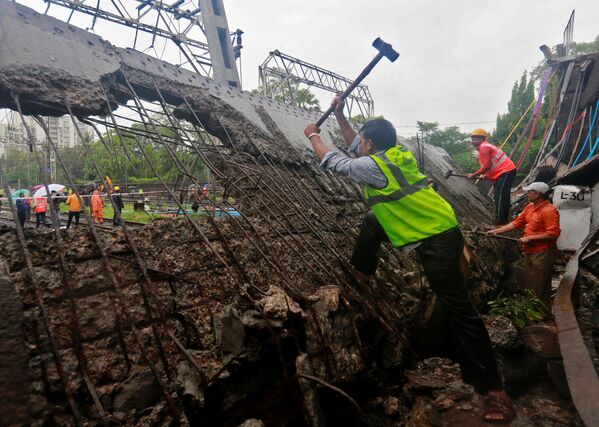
point(408, 209)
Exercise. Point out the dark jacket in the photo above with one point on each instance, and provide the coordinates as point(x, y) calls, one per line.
point(118, 201)
point(22, 204)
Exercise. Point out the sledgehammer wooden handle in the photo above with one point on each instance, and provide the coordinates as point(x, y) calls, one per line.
point(497, 236)
point(384, 49)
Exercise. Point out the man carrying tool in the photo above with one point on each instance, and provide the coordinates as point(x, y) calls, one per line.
point(408, 213)
point(497, 168)
point(540, 221)
point(74, 209)
point(118, 204)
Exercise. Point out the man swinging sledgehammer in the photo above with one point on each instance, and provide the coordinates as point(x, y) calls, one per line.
point(497, 168)
point(408, 213)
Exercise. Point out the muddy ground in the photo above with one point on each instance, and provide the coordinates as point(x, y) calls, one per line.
point(251, 350)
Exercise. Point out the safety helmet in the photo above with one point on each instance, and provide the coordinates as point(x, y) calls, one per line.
point(479, 132)
point(117, 188)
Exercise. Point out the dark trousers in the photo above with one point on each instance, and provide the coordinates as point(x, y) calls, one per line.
point(40, 218)
point(503, 186)
point(440, 258)
point(22, 214)
point(72, 215)
point(115, 220)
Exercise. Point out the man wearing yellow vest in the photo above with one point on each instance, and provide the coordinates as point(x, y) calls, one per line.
point(498, 168)
point(408, 213)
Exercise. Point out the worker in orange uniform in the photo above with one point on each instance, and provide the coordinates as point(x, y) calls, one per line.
point(498, 168)
point(74, 209)
point(39, 208)
point(540, 221)
point(96, 206)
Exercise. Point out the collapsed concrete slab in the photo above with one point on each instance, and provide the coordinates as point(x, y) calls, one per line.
point(296, 233)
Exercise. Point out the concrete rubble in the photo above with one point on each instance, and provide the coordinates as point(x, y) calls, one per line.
point(245, 321)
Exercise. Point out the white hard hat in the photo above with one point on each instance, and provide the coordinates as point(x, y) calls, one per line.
point(539, 187)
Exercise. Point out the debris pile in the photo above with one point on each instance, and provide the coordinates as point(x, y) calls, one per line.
point(233, 321)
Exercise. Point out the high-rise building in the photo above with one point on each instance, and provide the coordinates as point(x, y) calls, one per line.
point(13, 134)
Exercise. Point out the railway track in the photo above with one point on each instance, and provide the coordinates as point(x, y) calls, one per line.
point(64, 217)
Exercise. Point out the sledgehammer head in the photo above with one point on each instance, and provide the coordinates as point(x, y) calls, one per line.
point(386, 49)
point(448, 173)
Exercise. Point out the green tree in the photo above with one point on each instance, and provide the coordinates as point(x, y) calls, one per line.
point(583, 48)
point(523, 93)
point(124, 161)
point(451, 140)
point(360, 119)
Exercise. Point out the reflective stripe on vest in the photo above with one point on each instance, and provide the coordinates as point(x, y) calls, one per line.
point(498, 158)
point(405, 190)
point(407, 219)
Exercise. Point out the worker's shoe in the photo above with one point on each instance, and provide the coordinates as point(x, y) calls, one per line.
point(498, 409)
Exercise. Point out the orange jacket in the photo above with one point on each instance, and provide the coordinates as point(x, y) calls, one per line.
point(97, 203)
point(493, 161)
point(73, 202)
point(540, 219)
point(40, 204)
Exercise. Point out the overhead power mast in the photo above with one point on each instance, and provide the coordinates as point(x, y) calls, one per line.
point(217, 33)
point(198, 29)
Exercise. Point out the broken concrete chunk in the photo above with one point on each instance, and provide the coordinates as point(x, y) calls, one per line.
point(542, 339)
point(502, 332)
point(392, 405)
point(190, 391)
point(431, 374)
point(277, 304)
point(139, 391)
point(326, 298)
point(230, 332)
point(190, 382)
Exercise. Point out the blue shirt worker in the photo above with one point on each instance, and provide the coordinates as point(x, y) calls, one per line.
point(406, 212)
point(23, 209)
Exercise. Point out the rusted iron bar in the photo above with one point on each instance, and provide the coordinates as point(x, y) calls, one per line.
point(120, 301)
point(194, 144)
point(170, 192)
point(274, 194)
point(268, 201)
point(234, 278)
point(90, 223)
point(40, 303)
point(580, 371)
point(194, 363)
point(349, 272)
point(147, 282)
point(179, 165)
point(75, 325)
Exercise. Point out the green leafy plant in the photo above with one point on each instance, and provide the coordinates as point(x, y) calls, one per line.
point(522, 308)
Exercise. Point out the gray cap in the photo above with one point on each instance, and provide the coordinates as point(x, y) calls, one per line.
point(539, 187)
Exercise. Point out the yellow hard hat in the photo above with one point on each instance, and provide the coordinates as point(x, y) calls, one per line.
point(117, 188)
point(479, 132)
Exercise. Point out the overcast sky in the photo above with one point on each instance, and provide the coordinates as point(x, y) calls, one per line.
point(458, 59)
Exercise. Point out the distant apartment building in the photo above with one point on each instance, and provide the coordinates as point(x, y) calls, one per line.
point(13, 134)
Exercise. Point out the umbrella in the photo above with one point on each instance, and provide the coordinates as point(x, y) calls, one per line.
point(41, 192)
point(22, 190)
